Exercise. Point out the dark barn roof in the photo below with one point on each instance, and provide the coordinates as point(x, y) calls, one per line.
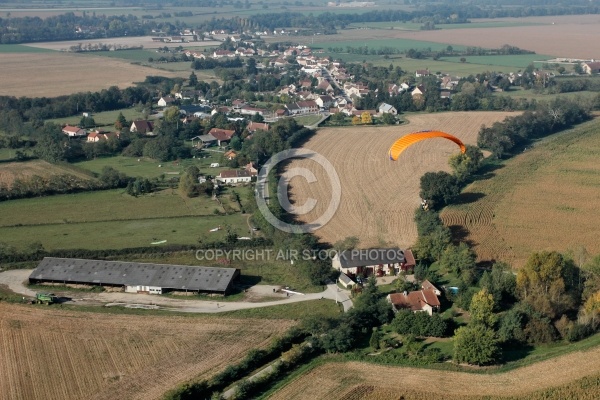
point(166, 276)
point(369, 257)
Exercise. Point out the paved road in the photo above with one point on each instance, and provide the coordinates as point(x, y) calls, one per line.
point(14, 279)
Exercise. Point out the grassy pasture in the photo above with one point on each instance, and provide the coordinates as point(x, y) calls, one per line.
point(148, 168)
point(518, 60)
point(19, 48)
point(519, 92)
point(543, 199)
point(9, 171)
point(104, 118)
point(107, 205)
point(400, 44)
point(415, 26)
point(121, 234)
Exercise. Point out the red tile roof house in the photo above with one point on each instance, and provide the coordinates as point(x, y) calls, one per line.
point(230, 155)
point(98, 136)
point(424, 300)
point(223, 136)
point(368, 262)
point(256, 126)
point(74, 131)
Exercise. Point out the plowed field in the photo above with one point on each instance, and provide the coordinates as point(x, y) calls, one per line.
point(50, 354)
point(379, 196)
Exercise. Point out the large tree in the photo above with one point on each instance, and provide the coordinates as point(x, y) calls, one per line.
point(476, 344)
point(549, 283)
point(440, 188)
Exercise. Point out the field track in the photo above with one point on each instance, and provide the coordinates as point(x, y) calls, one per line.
point(48, 353)
point(379, 196)
point(354, 380)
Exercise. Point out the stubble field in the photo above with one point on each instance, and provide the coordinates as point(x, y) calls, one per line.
point(354, 380)
point(560, 36)
point(55, 74)
point(56, 354)
point(544, 199)
point(379, 196)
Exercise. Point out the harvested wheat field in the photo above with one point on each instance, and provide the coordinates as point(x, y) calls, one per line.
point(23, 170)
point(55, 354)
point(355, 380)
point(379, 196)
point(55, 74)
point(544, 199)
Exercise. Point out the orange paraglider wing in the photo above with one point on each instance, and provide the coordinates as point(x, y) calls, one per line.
point(405, 141)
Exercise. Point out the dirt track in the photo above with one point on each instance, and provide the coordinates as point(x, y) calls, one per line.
point(379, 196)
point(336, 380)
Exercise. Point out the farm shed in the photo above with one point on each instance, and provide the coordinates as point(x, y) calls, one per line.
point(135, 277)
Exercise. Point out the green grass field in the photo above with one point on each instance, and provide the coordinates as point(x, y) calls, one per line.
point(121, 234)
point(519, 60)
point(400, 44)
point(519, 92)
point(148, 168)
point(103, 119)
point(19, 48)
point(415, 26)
point(307, 119)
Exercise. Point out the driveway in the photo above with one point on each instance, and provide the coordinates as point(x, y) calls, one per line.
point(15, 279)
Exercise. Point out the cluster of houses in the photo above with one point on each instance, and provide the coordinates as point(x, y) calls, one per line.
point(355, 265)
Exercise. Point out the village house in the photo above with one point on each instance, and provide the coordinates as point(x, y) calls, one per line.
point(251, 168)
point(418, 91)
point(230, 155)
point(422, 72)
point(142, 127)
point(74, 131)
point(248, 110)
point(223, 54)
point(591, 67)
point(325, 85)
point(325, 101)
point(302, 107)
point(424, 300)
point(165, 101)
point(234, 176)
point(97, 136)
point(223, 136)
point(366, 262)
point(257, 126)
point(386, 108)
point(204, 141)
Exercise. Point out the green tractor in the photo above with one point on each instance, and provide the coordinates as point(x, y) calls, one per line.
point(45, 298)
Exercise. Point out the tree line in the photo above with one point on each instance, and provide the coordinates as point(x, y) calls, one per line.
point(503, 137)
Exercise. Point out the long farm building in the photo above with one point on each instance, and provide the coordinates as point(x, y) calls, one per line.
point(135, 277)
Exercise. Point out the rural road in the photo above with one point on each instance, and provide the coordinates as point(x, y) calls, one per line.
point(15, 279)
